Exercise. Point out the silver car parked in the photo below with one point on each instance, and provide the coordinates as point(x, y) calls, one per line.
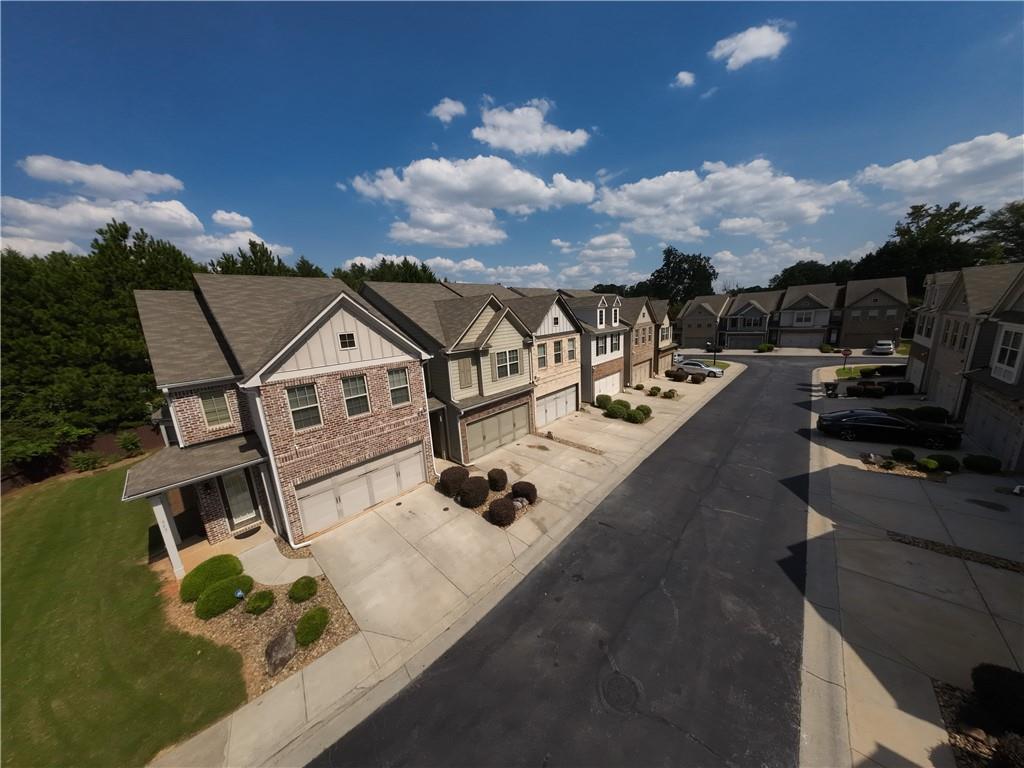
point(699, 366)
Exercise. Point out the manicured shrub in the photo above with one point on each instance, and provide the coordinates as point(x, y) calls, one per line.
point(927, 465)
point(603, 401)
point(888, 387)
point(872, 390)
point(615, 411)
point(904, 387)
point(638, 387)
point(933, 413)
point(945, 462)
point(645, 410)
point(525, 490)
point(208, 572)
point(222, 596)
point(902, 454)
point(302, 589)
point(867, 373)
point(654, 391)
point(765, 348)
point(669, 394)
point(888, 464)
point(697, 378)
point(130, 443)
point(451, 480)
point(825, 348)
point(1000, 693)
point(311, 625)
point(501, 512)
point(83, 461)
point(474, 492)
point(635, 417)
point(259, 602)
point(985, 465)
point(623, 404)
point(854, 390)
point(497, 479)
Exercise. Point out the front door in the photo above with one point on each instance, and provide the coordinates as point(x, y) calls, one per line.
point(238, 498)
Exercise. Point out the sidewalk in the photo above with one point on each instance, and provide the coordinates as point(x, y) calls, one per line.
point(827, 357)
point(419, 572)
point(884, 619)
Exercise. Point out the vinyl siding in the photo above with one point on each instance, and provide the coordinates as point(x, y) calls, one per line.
point(479, 324)
point(459, 392)
point(505, 337)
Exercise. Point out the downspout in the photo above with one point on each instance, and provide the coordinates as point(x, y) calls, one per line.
point(274, 473)
point(426, 405)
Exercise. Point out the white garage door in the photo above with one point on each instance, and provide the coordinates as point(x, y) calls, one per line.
point(555, 406)
point(609, 385)
point(738, 341)
point(806, 340)
point(641, 372)
point(665, 362)
point(945, 391)
point(993, 429)
point(488, 434)
point(330, 500)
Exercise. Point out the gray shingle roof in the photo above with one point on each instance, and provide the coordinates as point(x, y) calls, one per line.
point(858, 289)
point(826, 293)
point(984, 286)
point(532, 310)
point(182, 345)
point(481, 289)
point(579, 293)
point(715, 304)
point(660, 309)
point(527, 291)
point(631, 307)
point(768, 301)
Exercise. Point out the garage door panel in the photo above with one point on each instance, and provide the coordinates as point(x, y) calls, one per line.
point(354, 497)
point(609, 385)
point(410, 472)
point(555, 406)
point(491, 433)
point(319, 511)
point(803, 340)
point(384, 483)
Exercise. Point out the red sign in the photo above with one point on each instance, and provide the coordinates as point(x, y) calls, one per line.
point(846, 352)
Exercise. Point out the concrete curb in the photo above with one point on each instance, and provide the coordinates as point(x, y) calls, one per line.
point(824, 723)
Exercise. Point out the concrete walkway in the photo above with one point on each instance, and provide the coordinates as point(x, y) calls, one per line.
point(419, 572)
point(267, 565)
point(884, 619)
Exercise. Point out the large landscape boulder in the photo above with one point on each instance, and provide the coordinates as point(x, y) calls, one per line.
point(280, 650)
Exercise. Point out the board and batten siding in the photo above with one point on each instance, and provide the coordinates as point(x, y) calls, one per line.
point(460, 392)
point(505, 337)
point(322, 350)
point(548, 327)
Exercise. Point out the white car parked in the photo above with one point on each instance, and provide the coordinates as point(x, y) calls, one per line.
point(698, 366)
point(883, 347)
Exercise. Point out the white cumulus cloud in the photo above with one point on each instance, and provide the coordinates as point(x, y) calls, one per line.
point(757, 266)
point(99, 180)
point(764, 42)
point(562, 245)
point(231, 220)
point(751, 225)
point(684, 80)
point(603, 259)
point(525, 131)
point(447, 110)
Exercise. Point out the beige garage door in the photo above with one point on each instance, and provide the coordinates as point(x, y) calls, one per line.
point(609, 385)
point(641, 372)
point(556, 405)
point(329, 500)
point(665, 362)
point(805, 340)
point(486, 435)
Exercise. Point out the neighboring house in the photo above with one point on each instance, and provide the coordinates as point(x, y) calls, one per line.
point(969, 299)
point(994, 414)
point(751, 319)
point(809, 315)
point(556, 354)
point(697, 323)
point(663, 343)
point(873, 310)
point(290, 401)
point(638, 362)
point(935, 287)
point(480, 374)
point(604, 342)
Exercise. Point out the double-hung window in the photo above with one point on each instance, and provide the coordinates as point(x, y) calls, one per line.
point(615, 315)
point(803, 317)
point(964, 333)
point(1007, 355)
point(947, 327)
point(600, 318)
point(572, 349)
point(558, 353)
point(929, 326)
point(398, 383)
point(664, 333)
point(616, 342)
point(542, 355)
point(506, 364)
point(602, 345)
point(215, 409)
point(357, 400)
point(305, 408)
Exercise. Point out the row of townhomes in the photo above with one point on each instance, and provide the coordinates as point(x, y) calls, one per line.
point(852, 315)
point(300, 403)
point(967, 353)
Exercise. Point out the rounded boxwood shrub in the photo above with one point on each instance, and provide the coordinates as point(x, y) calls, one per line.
point(654, 391)
point(220, 596)
point(208, 572)
point(765, 348)
point(451, 480)
point(645, 410)
point(497, 479)
point(904, 387)
point(927, 465)
point(669, 394)
point(986, 465)
point(525, 490)
point(474, 492)
point(888, 464)
point(867, 373)
point(945, 462)
point(616, 411)
point(302, 589)
point(635, 417)
point(501, 512)
point(932, 413)
point(311, 625)
point(825, 348)
point(603, 401)
point(1000, 692)
point(638, 387)
point(622, 404)
point(902, 454)
point(259, 602)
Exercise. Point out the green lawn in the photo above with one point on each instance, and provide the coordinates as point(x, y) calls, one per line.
point(719, 364)
point(92, 674)
point(851, 372)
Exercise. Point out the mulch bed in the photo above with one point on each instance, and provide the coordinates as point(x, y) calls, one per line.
point(250, 634)
point(292, 554)
point(954, 551)
point(971, 748)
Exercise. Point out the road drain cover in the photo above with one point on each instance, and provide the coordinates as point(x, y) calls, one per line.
point(620, 692)
point(990, 505)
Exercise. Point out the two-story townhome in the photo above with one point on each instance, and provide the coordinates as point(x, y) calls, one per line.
point(638, 362)
point(872, 310)
point(291, 401)
point(480, 376)
point(935, 286)
point(604, 341)
point(994, 415)
point(809, 315)
point(664, 346)
point(698, 321)
point(556, 354)
point(750, 319)
point(967, 304)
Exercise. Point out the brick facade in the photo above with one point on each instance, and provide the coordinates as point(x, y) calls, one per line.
point(504, 405)
point(608, 368)
point(556, 376)
point(339, 441)
point(213, 513)
point(188, 411)
point(642, 352)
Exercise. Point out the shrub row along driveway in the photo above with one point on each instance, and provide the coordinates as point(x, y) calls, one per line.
point(665, 630)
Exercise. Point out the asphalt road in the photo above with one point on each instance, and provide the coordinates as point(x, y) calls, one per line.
point(665, 631)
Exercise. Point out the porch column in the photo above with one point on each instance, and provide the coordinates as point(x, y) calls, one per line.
point(169, 532)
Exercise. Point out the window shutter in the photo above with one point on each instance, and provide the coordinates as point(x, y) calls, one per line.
point(494, 367)
point(465, 374)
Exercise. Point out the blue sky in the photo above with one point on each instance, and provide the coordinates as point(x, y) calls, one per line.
point(569, 150)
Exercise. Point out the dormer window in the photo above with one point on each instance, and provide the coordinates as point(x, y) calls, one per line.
point(615, 315)
point(600, 318)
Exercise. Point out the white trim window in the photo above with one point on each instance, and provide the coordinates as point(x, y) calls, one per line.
point(572, 349)
point(215, 409)
point(1006, 357)
point(558, 353)
point(304, 406)
point(616, 342)
point(600, 318)
point(665, 330)
point(357, 399)
point(507, 363)
point(803, 317)
point(602, 345)
point(554, 320)
point(347, 340)
point(542, 355)
point(615, 315)
point(398, 383)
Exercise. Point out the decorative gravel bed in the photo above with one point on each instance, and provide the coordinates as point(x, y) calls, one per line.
point(970, 747)
point(250, 634)
point(954, 551)
point(292, 554)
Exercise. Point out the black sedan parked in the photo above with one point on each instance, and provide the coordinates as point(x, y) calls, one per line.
point(875, 425)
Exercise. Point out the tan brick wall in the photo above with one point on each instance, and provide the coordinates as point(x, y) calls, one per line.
point(214, 514)
point(642, 352)
point(607, 368)
point(524, 399)
point(188, 410)
point(340, 442)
